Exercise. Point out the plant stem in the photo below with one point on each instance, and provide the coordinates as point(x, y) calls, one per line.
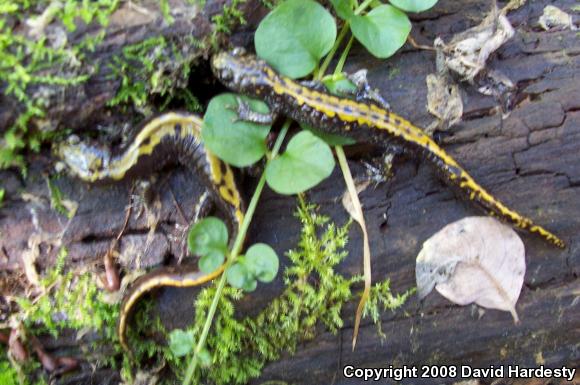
point(339, 39)
point(342, 60)
point(239, 241)
point(362, 7)
point(326, 63)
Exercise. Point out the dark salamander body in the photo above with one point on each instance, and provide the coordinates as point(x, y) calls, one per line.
point(365, 122)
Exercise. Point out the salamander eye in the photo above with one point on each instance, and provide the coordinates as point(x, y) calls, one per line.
point(238, 51)
point(73, 140)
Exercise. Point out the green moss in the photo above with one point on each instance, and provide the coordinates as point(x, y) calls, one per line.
point(315, 294)
point(23, 60)
point(75, 298)
point(8, 374)
point(152, 67)
point(230, 17)
point(70, 301)
point(56, 200)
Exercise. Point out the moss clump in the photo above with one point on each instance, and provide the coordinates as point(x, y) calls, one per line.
point(25, 59)
point(69, 300)
point(230, 16)
point(314, 294)
point(155, 66)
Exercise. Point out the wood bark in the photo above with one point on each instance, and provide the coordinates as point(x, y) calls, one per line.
point(529, 159)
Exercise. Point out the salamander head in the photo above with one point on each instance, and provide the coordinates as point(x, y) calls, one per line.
point(241, 72)
point(82, 160)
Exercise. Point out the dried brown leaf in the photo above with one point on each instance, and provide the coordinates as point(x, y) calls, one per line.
point(474, 260)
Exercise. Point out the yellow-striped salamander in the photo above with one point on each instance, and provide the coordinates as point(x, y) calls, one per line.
point(365, 122)
point(168, 137)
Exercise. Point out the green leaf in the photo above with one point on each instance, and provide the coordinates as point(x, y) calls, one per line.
point(413, 5)
point(382, 31)
point(204, 358)
point(343, 8)
point(210, 263)
point(306, 162)
point(209, 239)
point(250, 285)
point(295, 36)
point(339, 85)
point(237, 142)
point(238, 275)
point(181, 342)
point(262, 262)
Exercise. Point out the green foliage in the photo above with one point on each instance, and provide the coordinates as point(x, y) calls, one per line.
point(67, 301)
point(166, 11)
point(295, 36)
point(314, 293)
point(8, 374)
point(239, 276)
point(231, 16)
point(137, 70)
point(382, 31)
point(306, 162)
point(23, 61)
point(2, 194)
point(339, 85)
point(76, 300)
point(142, 337)
point(262, 261)
point(236, 141)
point(180, 342)
point(343, 8)
point(259, 264)
point(413, 5)
point(208, 238)
point(155, 66)
point(56, 199)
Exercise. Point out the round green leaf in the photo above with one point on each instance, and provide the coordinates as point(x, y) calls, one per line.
point(343, 8)
point(382, 31)
point(250, 285)
point(209, 263)
point(237, 142)
point(295, 36)
point(262, 262)
point(238, 275)
point(181, 342)
point(209, 239)
point(306, 162)
point(413, 5)
point(204, 358)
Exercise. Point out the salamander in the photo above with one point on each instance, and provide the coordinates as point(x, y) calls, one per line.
point(364, 122)
point(168, 137)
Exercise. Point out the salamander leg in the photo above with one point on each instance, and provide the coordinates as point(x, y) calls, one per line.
point(365, 93)
point(378, 170)
point(246, 114)
point(316, 85)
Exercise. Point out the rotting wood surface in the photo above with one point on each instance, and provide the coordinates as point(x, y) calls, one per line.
point(529, 160)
